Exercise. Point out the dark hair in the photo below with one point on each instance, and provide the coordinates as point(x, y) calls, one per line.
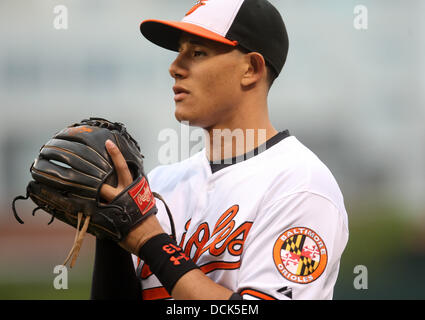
point(271, 75)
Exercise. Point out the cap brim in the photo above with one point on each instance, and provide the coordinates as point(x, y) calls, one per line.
point(167, 34)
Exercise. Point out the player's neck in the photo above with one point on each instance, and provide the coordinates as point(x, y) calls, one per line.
point(234, 139)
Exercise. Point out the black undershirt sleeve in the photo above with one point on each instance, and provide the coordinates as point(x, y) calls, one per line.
point(114, 276)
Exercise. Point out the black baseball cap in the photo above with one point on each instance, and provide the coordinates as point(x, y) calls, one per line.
point(255, 25)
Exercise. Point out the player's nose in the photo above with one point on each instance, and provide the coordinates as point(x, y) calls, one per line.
point(177, 68)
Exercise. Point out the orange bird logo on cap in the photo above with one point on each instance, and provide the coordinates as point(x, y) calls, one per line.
point(196, 6)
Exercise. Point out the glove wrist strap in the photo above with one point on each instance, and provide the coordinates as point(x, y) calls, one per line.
point(166, 260)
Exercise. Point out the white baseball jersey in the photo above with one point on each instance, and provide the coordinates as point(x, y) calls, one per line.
point(270, 227)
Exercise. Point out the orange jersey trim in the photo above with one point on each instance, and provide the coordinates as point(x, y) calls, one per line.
point(155, 294)
point(223, 265)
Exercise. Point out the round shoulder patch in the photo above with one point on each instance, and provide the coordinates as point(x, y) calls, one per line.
point(300, 255)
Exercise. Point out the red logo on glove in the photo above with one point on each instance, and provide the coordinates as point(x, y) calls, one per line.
point(142, 196)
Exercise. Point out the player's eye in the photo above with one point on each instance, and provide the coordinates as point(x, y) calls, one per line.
point(197, 53)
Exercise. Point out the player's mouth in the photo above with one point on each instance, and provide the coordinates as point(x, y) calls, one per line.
point(179, 93)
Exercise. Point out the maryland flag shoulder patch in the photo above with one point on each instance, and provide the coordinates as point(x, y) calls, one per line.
point(300, 255)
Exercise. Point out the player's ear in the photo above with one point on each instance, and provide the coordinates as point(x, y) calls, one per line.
point(255, 69)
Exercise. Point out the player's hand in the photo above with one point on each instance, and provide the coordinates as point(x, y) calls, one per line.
point(150, 226)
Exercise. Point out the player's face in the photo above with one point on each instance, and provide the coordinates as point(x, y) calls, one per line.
point(207, 82)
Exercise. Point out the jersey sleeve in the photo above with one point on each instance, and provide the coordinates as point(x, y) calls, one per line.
point(293, 249)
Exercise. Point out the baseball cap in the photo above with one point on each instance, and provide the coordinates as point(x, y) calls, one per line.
point(255, 25)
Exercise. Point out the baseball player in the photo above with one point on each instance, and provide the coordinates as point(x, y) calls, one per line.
point(265, 221)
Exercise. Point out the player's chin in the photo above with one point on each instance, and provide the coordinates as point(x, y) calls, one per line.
point(185, 119)
point(184, 112)
point(188, 116)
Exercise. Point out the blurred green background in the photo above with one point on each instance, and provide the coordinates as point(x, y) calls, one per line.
point(355, 97)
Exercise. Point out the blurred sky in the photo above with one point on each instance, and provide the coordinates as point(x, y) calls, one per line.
point(355, 97)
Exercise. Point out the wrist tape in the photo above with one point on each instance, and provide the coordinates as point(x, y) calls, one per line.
point(166, 260)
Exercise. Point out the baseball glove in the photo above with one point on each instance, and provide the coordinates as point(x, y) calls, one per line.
point(69, 172)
